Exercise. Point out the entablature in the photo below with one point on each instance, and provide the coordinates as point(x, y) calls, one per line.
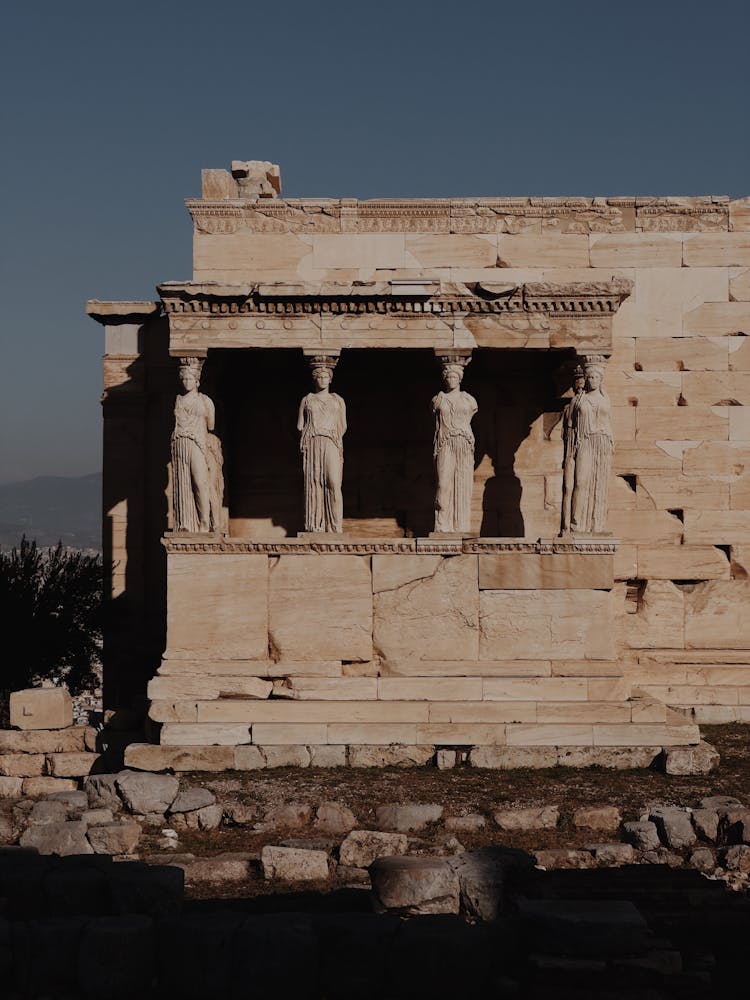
point(415, 312)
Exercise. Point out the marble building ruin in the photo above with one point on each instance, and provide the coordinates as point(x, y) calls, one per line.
point(394, 476)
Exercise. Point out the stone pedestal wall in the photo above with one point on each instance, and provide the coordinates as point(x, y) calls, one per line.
point(409, 641)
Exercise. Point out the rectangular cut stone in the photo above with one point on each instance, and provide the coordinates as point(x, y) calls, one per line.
point(244, 255)
point(251, 668)
point(430, 688)
point(679, 423)
point(485, 711)
point(426, 607)
point(41, 708)
point(358, 250)
point(200, 688)
point(608, 688)
point(147, 757)
point(697, 354)
point(331, 689)
point(654, 527)
point(217, 606)
point(188, 735)
point(465, 734)
point(543, 251)
point(731, 458)
point(644, 736)
point(718, 319)
point(716, 527)
point(662, 297)
point(173, 711)
point(739, 423)
point(542, 571)
point(450, 251)
point(550, 624)
point(320, 607)
point(635, 250)
point(283, 733)
point(666, 492)
point(550, 735)
point(739, 285)
point(465, 668)
point(716, 615)
point(717, 250)
point(71, 765)
point(636, 457)
point(587, 668)
point(659, 618)
point(682, 562)
point(374, 734)
point(590, 711)
point(278, 710)
point(22, 765)
point(535, 689)
point(67, 740)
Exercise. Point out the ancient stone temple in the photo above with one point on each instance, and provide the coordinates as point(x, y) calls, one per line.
point(390, 477)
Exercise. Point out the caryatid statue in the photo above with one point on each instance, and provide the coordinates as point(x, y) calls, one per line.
point(591, 422)
point(569, 447)
point(197, 477)
point(453, 450)
point(322, 425)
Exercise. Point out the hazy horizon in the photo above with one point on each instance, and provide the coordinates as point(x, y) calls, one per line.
point(115, 111)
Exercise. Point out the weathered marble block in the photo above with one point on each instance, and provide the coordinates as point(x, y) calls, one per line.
point(426, 607)
point(551, 624)
point(217, 606)
point(320, 607)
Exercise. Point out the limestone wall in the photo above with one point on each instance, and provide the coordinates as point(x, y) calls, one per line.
point(679, 379)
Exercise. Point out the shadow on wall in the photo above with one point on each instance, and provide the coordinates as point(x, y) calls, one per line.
point(388, 465)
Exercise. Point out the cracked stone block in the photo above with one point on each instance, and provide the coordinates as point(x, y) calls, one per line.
point(426, 607)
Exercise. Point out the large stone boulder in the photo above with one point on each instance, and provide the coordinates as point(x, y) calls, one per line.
point(362, 847)
point(642, 834)
point(114, 838)
point(293, 864)
point(674, 826)
point(700, 759)
point(334, 818)
point(412, 886)
point(101, 790)
point(530, 818)
point(62, 839)
point(408, 818)
point(190, 799)
point(147, 793)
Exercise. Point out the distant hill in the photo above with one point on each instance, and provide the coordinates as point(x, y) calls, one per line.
point(52, 509)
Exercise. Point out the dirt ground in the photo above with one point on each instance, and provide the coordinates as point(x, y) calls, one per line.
point(460, 791)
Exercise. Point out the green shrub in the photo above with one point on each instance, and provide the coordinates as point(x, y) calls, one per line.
point(51, 607)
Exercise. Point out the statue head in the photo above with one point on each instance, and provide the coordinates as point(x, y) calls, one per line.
point(579, 379)
point(594, 367)
point(190, 373)
point(322, 377)
point(321, 369)
point(452, 376)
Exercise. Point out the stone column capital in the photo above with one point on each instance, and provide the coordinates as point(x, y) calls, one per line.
point(322, 359)
point(453, 355)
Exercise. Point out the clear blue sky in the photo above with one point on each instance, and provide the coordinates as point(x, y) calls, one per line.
point(110, 110)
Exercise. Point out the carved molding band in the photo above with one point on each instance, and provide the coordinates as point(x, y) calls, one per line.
point(175, 543)
point(580, 299)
